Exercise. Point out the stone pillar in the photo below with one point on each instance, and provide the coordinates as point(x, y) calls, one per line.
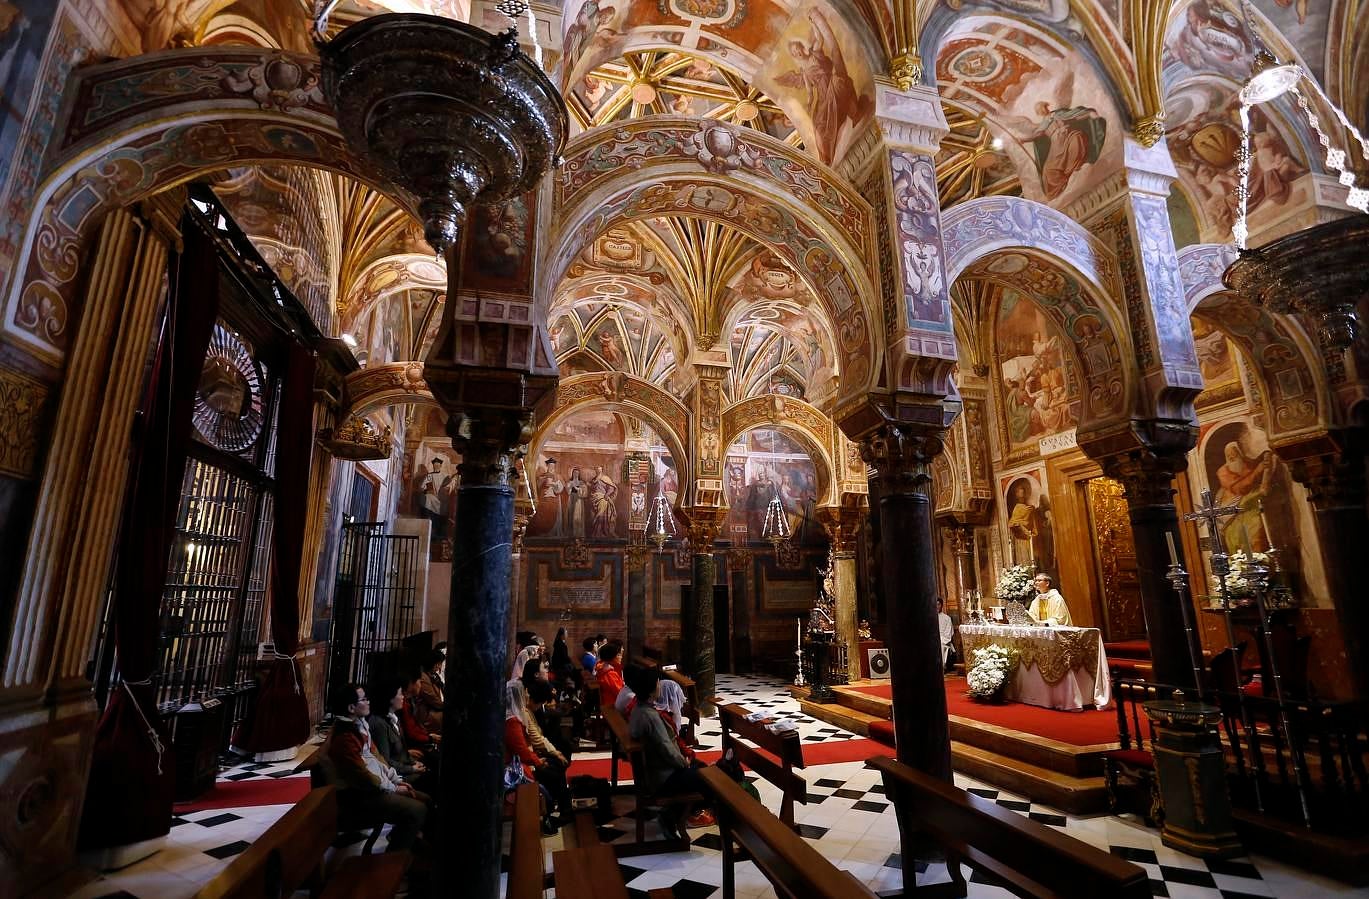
point(902, 453)
point(703, 530)
point(1336, 488)
point(637, 558)
point(738, 563)
point(1146, 472)
point(961, 537)
point(478, 635)
point(842, 524)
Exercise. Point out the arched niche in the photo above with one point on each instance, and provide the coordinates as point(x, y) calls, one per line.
point(1283, 357)
point(617, 391)
point(809, 426)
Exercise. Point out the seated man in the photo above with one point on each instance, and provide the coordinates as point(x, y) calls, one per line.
point(1049, 607)
point(368, 788)
point(668, 771)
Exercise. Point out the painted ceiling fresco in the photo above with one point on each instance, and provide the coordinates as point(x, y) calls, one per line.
point(802, 55)
point(657, 82)
point(1041, 98)
point(596, 336)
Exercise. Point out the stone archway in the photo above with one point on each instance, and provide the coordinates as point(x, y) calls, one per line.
point(811, 427)
point(386, 276)
point(142, 125)
point(746, 180)
point(1282, 355)
point(392, 384)
point(617, 391)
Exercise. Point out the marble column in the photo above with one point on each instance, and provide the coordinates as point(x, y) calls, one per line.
point(961, 537)
point(1336, 488)
point(702, 664)
point(637, 559)
point(902, 453)
point(738, 562)
point(842, 524)
point(1147, 474)
point(478, 634)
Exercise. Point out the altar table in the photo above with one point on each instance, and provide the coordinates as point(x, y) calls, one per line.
point(1058, 667)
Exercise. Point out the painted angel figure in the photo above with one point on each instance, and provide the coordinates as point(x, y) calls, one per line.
point(833, 102)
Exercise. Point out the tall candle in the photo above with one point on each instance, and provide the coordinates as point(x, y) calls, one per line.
point(1173, 556)
point(1264, 525)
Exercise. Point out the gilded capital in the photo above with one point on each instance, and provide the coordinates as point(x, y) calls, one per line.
point(1149, 129)
point(490, 442)
point(906, 70)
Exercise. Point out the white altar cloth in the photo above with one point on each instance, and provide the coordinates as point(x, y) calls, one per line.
point(1058, 667)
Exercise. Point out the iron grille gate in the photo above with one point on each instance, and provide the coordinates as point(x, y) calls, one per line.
point(375, 603)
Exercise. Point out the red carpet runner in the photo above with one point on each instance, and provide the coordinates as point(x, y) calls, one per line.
point(1085, 728)
point(825, 753)
point(247, 793)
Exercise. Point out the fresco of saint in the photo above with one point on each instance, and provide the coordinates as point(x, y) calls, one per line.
point(603, 499)
point(833, 102)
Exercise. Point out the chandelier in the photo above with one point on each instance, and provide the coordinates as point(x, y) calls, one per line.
point(776, 526)
point(1269, 79)
point(660, 522)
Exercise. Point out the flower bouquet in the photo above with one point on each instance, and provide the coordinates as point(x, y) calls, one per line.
point(989, 673)
point(1247, 571)
point(1015, 583)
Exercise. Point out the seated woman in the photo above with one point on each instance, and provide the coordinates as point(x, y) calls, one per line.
point(518, 745)
point(610, 673)
point(367, 788)
point(430, 701)
point(387, 733)
point(670, 701)
point(668, 771)
point(547, 737)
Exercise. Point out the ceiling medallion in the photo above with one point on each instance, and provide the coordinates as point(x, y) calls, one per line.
point(445, 110)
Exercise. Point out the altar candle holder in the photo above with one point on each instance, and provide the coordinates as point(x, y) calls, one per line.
point(1178, 579)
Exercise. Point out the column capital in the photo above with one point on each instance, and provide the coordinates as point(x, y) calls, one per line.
point(705, 523)
point(1149, 169)
point(490, 441)
point(637, 554)
point(910, 117)
point(1331, 468)
point(739, 558)
point(1145, 458)
point(902, 453)
point(842, 524)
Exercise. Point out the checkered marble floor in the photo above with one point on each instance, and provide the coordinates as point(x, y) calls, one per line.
point(847, 818)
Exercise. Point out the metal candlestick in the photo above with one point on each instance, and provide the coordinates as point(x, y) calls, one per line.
point(1211, 513)
point(1178, 578)
point(798, 657)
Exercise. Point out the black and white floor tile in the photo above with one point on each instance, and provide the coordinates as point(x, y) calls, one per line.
point(847, 818)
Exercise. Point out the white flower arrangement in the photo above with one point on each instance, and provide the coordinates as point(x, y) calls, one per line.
point(1240, 579)
point(1015, 583)
point(989, 673)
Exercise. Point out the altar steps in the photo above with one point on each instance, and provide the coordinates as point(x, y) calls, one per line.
point(1043, 770)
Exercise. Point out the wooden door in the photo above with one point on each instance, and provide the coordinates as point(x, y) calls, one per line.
point(1115, 556)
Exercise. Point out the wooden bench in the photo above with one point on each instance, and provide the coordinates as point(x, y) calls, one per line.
point(320, 776)
point(625, 747)
point(786, 747)
point(527, 862)
point(1030, 858)
point(290, 855)
point(792, 865)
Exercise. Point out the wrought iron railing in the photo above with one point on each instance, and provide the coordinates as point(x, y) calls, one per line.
point(375, 602)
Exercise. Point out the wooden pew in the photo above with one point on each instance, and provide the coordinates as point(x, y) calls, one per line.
point(320, 775)
point(625, 747)
point(290, 855)
point(1033, 860)
point(793, 866)
point(786, 747)
point(527, 862)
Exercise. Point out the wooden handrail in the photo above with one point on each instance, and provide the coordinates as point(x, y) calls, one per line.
point(791, 864)
point(1033, 859)
point(786, 747)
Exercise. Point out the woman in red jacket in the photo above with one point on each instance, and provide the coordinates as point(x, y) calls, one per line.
point(517, 747)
